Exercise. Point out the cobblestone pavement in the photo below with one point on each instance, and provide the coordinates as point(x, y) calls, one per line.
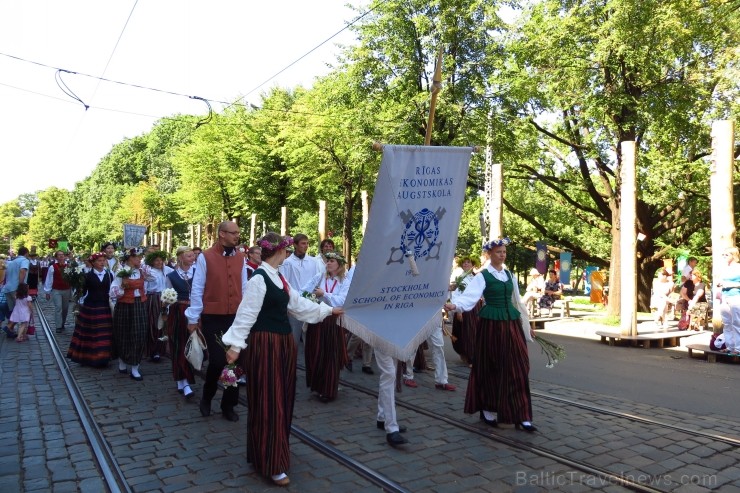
point(163, 444)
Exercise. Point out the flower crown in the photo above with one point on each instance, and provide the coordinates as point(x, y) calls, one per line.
point(335, 256)
point(95, 256)
point(132, 252)
point(284, 243)
point(496, 243)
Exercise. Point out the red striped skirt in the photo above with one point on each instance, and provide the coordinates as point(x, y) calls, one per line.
point(271, 366)
point(177, 332)
point(92, 337)
point(153, 314)
point(499, 379)
point(325, 355)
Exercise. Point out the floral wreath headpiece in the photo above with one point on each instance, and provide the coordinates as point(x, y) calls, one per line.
point(149, 259)
point(284, 243)
point(132, 252)
point(95, 256)
point(335, 256)
point(496, 243)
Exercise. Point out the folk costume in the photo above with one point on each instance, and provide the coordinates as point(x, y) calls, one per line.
point(271, 363)
point(218, 284)
point(499, 379)
point(155, 348)
point(298, 272)
point(251, 267)
point(61, 294)
point(177, 323)
point(93, 335)
point(129, 319)
point(325, 344)
point(465, 324)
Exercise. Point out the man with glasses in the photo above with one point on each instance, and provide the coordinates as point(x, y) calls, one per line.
point(219, 281)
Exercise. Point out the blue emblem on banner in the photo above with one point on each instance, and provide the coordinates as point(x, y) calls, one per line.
point(421, 233)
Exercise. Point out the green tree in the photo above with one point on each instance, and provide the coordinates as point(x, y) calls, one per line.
point(51, 217)
point(589, 75)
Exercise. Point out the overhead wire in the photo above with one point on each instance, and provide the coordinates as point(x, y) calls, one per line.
point(227, 104)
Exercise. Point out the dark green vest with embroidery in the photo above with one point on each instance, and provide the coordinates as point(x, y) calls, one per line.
point(498, 298)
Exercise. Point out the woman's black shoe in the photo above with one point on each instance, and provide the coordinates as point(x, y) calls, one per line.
point(489, 422)
point(530, 427)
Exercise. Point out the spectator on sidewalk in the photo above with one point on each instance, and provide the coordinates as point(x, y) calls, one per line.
point(729, 296)
point(21, 313)
point(16, 272)
point(690, 266)
point(662, 289)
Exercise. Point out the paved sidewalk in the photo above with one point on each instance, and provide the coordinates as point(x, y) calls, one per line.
point(41, 438)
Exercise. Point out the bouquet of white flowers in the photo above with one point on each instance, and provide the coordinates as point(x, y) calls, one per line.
point(168, 296)
point(310, 297)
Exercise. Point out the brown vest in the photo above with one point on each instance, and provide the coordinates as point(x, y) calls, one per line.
point(223, 290)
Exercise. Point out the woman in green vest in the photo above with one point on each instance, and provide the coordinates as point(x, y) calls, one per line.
point(498, 388)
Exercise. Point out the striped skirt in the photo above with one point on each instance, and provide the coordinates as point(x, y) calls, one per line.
point(153, 314)
point(129, 331)
point(325, 355)
point(93, 336)
point(464, 329)
point(271, 366)
point(499, 379)
point(177, 332)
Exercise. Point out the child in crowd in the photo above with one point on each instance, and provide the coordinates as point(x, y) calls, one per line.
point(21, 313)
point(5, 315)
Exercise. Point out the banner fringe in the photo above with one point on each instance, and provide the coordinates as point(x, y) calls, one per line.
point(387, 347)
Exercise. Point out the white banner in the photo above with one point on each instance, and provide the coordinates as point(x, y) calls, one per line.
point(133, 235)
point(415, 214)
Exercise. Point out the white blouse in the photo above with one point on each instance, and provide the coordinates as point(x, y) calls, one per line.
point(474, 290)
point(251, 305)
point(335, 289)
point(159, 283)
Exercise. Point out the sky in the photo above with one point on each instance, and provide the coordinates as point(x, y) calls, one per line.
point(214, 49)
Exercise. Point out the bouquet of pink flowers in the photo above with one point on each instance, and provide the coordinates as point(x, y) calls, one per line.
point(229, 375)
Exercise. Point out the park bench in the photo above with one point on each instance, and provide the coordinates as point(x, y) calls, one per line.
point(710, 353)
point(535, 312)
point(660, 339)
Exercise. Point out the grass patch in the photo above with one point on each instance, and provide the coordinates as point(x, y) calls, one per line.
point(609, 320)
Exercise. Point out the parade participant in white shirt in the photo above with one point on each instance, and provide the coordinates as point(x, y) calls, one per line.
point(325, 350)
point(156, 260)
point(299, 269)
point(58, 290)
